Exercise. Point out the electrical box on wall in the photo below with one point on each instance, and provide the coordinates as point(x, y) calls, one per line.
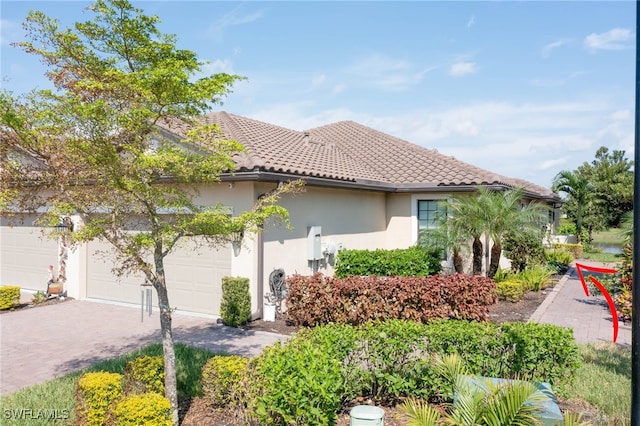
point(314, 244)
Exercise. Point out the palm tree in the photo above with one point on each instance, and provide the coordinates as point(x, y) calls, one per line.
point(465, 220)
point(504, 213)
point(579, 190)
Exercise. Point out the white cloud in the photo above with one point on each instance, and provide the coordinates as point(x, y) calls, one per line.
point(386, 72)
point(318, 80)
point(233, 18)
point(218, 66)
point(471, 21)
point(621, 115)
point(615, 39)
point(548, 48)
point(338, 88)
point(460, 69)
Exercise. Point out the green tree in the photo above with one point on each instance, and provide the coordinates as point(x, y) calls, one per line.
point(611, 177)
point(505, 213)
point(465, 220)
point(92, 148)
point(494, 214)
point(580, 193)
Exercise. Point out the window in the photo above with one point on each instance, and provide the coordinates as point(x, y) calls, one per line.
point(429, 214)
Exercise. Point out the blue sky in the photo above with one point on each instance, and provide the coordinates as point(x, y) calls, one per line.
point(524, 89)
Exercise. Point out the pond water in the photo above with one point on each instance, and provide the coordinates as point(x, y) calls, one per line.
point(610, 248)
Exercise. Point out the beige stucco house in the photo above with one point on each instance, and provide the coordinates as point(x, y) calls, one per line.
point(364, 190)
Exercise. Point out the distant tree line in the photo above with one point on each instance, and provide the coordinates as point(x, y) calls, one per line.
point(598, 194)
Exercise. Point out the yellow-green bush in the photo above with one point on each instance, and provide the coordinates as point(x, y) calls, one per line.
point(574, 249)
point(95, 393)
point(511, 289)
point(9, 296)
point(145, 409)
point(220, 378)
point(144, 374)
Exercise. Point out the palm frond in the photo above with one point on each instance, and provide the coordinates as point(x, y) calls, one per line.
point(419, 413)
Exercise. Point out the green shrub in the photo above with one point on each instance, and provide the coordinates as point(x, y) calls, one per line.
point(95, 393)
point(145, 409)
point(235, 308)
point(503, 275)
point(38, 297)
point(9, 296)
point(145, 374)
point(543, 352)
point(296, 384)
point(511, 290)
point(414, 261)
point(575, 249)
point(560, 256)
point(393, 359)
point(534, 278)
point(355, 300)
point(221, 376)
point(523, 249)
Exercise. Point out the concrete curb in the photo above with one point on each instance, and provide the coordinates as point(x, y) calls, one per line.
point(537, 315)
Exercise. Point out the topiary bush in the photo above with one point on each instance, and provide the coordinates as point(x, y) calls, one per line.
point(95, 393)
point(221, 377)
point(416, 261)
point(235, 308)
point(523, 249)
point(145, 409)
point(9, 296)
point(144, 374)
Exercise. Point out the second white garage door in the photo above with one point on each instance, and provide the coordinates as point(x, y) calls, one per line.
point(193, 278)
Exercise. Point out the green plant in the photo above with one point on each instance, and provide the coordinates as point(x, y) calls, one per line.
point(144, 374)
point(560, 256)
point(145, 409)
point(413, 261)
point(38, 297)
point(534, 278)
point(478, 401)
point(512, 290)
point(503, 275)
point(575, 249)
point(221, 376)
point(523, 248)
point(296, 384)
point(235, 308)
point(9, 296)
point(95, 393)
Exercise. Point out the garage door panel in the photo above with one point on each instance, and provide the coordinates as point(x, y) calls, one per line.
point(193, 279)
point(25, 255)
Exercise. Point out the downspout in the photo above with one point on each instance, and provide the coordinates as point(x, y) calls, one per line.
point(260, 275)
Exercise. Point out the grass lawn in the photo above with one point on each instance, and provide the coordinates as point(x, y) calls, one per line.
point(604, 382)
point(610, 236)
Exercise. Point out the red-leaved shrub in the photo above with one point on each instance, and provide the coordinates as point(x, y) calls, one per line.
point(315, 300)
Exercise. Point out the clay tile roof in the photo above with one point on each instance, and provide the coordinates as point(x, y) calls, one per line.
point(349, 151)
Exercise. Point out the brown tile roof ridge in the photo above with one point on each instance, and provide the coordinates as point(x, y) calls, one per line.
point(350, 151)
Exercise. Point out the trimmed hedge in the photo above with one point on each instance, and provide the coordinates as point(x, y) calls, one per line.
point(235, 308)
point(414, 261)
point(221, 377)
point(144, 374)
point(9, 296)
point(145, 409)
point(296, 383)
point(95, 393)
point(575, 249)
point(315, 300)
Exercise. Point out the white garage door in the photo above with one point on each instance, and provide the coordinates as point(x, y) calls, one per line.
point(25, 254)
point(193, 278)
